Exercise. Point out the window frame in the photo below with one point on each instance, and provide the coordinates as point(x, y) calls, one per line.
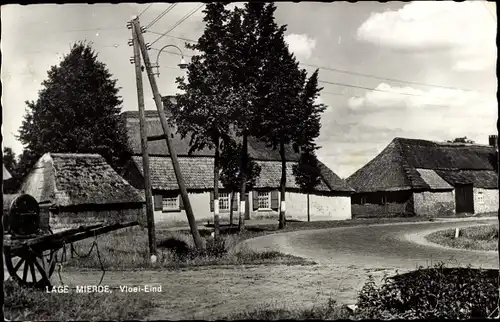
point(228, 198)
point(268, 200)
point(170, 209)
point(480, 197)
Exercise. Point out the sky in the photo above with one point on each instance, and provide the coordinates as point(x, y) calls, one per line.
point(423, 70)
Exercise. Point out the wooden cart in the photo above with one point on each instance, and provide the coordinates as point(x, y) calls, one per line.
point(30, 252)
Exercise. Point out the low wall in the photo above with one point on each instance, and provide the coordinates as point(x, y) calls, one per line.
point(93, 217)
point(434, 204)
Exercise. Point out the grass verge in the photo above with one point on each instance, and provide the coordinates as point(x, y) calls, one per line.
point(22, 304)
point(128, 249)
point(481, 237)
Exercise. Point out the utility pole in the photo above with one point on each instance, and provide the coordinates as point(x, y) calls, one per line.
point(144, 147)
point(166, 130)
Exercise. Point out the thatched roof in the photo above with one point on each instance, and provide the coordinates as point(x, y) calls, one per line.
point(198, 174)
point(256, 149)
point(6, 173)
point(77, 179)
point(406, 164)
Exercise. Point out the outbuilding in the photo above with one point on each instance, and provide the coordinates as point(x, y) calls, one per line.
point(419, 177)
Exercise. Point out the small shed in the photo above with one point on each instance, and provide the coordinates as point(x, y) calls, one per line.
point(82, 189)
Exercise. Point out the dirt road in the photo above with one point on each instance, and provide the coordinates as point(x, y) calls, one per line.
point(346, 257)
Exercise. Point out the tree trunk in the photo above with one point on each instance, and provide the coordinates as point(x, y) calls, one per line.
point(243, 182)
point(308, 210)
point(282, 220)
point(231, 210)
point(216, 188)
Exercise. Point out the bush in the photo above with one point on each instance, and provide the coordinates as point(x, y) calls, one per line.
point(439, 292)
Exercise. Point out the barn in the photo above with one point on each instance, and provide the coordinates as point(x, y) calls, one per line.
point(81, 189)
point(419, 177)
point(330, 201)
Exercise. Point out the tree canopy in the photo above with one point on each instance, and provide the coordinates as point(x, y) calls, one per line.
point(77, 111)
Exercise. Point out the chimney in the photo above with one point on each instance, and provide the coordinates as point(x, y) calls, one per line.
point(493, 140)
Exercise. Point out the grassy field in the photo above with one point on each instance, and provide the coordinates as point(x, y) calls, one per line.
point(128, 248)
point(23, 304)
point(483, 237)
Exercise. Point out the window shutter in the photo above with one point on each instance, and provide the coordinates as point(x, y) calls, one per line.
point(255, 199)
point(274, 200)
point(158, 202)
point(211, 201)
point(181, 203)
point(235, 201)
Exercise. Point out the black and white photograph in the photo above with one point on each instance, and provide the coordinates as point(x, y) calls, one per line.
point(250, 161)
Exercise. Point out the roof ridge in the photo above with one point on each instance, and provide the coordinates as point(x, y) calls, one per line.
point(444, 143)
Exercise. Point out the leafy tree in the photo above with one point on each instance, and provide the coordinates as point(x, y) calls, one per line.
point(10, 163)
point(202, 111)
point(77, 111)
point(9, 159)
point(282, 83)
point(307, 173)
point(310, 111)
point(230, 168)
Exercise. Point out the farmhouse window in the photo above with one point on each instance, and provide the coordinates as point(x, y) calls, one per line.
point(363, 200)
point(224, 203)
point(480, 197)
point(170, 203)
point(264, 199)
point(384, 200)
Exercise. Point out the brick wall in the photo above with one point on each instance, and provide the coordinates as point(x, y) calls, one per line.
point(435, 204)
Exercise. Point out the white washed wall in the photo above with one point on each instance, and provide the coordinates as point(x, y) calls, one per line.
point(321, 207)
point(200, 202)
point(485, 200)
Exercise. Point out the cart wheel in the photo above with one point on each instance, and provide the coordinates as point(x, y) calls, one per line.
point(30, 268)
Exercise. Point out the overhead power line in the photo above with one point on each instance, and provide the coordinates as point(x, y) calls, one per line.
point(192, 12)
point(161, 15)
point(349, 72)
point(385, 78)
point(355, 96)
point(143, 11)
point(175, 37)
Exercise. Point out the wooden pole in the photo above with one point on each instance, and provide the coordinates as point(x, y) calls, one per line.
point(166, 130)
point(144, 147)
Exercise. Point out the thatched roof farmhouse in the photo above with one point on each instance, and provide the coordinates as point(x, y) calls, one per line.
point(427, 178)
point(82, 188)
point(197, 170)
